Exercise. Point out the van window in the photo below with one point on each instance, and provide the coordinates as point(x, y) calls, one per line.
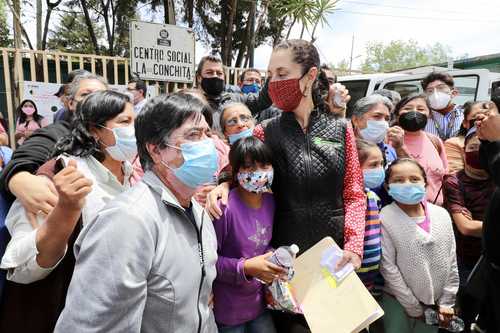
point(357, 89)
point(466, 86)
point(405, 88)
point(495, 89)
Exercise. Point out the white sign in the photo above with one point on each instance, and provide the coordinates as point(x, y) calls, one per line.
point(162, 52)
point(47, 104)
point(43, 95)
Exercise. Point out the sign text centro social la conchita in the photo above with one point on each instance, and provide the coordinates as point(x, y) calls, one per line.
point(162, 52)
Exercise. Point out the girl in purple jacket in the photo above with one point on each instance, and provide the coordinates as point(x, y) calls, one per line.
point(243, 235)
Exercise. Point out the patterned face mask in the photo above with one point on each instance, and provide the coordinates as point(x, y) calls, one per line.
point(259, 181)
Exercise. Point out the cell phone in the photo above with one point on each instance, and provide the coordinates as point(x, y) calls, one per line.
point(60, 163)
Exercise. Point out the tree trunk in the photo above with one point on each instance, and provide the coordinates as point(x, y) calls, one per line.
point(90, 28)
point(227, 52)
point(251, 39)
point(50, 8)
point(302, 31)
point(109, 32)
point(189, 12)
point(169, 12)
point(39, 24)
point(313, 38)
point(291, 26)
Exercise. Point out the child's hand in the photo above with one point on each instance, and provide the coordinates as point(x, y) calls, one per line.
point(445, 315)
point(258, 267)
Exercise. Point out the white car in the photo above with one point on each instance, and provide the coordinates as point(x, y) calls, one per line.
point(472, 84)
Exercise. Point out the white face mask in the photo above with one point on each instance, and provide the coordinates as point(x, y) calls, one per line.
point(439, 100)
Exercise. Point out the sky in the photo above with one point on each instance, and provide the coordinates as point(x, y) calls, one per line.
point(467, 27)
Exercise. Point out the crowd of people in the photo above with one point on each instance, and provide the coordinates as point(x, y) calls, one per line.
point(129, 214)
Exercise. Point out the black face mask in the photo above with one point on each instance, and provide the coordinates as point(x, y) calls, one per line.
point(412, 121)
point(212, 85)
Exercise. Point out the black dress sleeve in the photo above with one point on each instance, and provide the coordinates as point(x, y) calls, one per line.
point(34, 152)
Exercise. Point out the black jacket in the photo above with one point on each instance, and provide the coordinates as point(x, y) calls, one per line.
point(490, 159)
point(34, 152)
point(308, 179)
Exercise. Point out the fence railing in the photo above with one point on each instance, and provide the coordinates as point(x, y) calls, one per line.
point(20, 65)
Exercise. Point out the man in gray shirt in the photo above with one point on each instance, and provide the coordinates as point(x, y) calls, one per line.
point(147, 262)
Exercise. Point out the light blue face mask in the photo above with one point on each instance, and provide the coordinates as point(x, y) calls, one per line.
point(200, 163)
point(243, 134)
point(125, 148)
point(375, 131)
point(409, 194)
point(373, 178)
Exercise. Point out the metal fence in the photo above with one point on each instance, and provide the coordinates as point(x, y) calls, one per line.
point(20, 65)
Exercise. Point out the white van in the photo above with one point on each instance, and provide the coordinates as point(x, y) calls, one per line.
point(472, 84)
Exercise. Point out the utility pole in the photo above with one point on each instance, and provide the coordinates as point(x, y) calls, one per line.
point(352, 52)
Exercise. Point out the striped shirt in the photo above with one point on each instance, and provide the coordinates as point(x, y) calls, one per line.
point(369, 270)
point(445, 126)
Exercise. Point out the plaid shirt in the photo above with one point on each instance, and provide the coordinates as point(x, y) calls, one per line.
point(445, 126)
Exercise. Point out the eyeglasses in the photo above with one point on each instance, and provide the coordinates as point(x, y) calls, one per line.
point(244, 118)
point(439, 88)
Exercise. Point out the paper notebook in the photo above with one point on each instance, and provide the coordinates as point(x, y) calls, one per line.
point(331, 307)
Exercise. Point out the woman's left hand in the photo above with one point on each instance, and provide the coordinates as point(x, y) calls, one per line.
point(349, 257)
point(344, 95)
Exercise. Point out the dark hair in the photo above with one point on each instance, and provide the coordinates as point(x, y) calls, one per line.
point(247, 152)
point(325, 67)
point(77, 72)
point(159, 117)
point(140, 85)
point(224, 106)
point(407, 100)
point(248, 70)
point(388, 172)
point(207, 109)
point(211, 58)
point(95, 110)
point(21, 116)
point(392, 95)
point(363, 147)
point(306, 55)
point(467, 110)
point(435, 76)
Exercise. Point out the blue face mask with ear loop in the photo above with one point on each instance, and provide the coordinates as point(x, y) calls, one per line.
point(125, 147)
point(373, 178)
point(200, 163)
point(253, 88)
point(243, 134)
point(375, 131)
point(409, 194)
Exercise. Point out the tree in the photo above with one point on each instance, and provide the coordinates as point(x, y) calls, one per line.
point(401, 54)
point(5, 37)
point(342, 67)
point(71, 34)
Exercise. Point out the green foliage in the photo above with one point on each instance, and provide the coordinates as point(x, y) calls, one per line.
point(71, 35)
point(401, 54)
point(5, 37)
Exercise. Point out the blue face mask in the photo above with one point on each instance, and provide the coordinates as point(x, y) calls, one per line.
point(409, 194)
point(243, 134)
point(373, 178)
point(125, 148)
point(253, 88)
point(200, 163)
point(375, 131)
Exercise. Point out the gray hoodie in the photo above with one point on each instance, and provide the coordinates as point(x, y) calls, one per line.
point(139, 267)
